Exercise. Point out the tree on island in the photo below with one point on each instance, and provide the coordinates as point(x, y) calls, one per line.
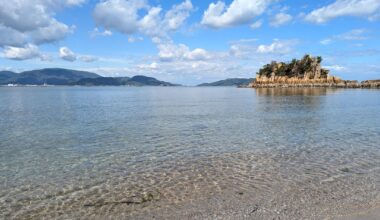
point(308, 68)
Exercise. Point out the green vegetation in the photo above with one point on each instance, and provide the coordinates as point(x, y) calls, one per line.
point(295, 68)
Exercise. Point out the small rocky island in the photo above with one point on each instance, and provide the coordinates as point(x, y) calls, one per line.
point(306, 72)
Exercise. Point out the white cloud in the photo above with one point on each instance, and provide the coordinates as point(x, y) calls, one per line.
point(75, 2)
point(176, 16)
point(66, 54)
point(120, 15)
point(53, 32)
point(355, 34)
point(11, 37)
point(150, 23)
point(30, 51)
point(26, 22)
point(280, 19)
point(326, 41)
point(256, 24)
point(358, 8)
point(24, 15)
point(88, 58)
point(151, 66)
point(104, 33)
point(135, 39)
point(179, 64)
point(336, 68)
point(244, 50)
point(182, 71)
point(170, 52)
point(132, 16)
point(240, 50)
point(219, 15)
point(374, 17)
point(278, 47)
point(197, 54)
point(138, 17)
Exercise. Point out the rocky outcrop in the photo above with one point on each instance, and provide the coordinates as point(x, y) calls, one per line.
point(371, 84)
point(306, 72)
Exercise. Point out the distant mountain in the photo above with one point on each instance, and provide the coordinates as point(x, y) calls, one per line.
point(147, 81)
point(123, 81)
point(103, 81)
point(52, 76)
point(6, 76)
point(229, 82)
point(56, 76)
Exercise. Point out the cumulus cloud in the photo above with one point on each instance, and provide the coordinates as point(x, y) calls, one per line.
point(30, 51)
point(24, 15)
point(25, 23)
point(120, 15)
point(219, 15)
point(97, 32)
point(240, 50)
point(197, 54)
point(66, 54)
point(170, 51)
point(11, 37)
point(358, 8)
point(181, 64)
point(176, 16)
point(256, 24)
point(280, 19)
point(75, 2)
point(260, 54)
point(132, 16)
point(278, 47)
point(138, 18)
point(53, 32)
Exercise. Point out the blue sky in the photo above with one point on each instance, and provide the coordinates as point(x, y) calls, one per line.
point(189, 41)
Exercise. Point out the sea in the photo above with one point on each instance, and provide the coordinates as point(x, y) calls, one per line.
point(188, 152)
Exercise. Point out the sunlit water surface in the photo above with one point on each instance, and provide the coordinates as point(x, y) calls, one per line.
point(83, 152)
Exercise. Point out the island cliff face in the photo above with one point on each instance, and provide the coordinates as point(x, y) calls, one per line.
point(306, 72)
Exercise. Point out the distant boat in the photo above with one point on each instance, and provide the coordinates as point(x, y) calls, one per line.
point(45, 84)
point(11, 85)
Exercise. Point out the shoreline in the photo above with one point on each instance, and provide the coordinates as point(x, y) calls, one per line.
point(368, 84)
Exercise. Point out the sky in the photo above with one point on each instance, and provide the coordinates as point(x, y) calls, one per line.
point(189, 41)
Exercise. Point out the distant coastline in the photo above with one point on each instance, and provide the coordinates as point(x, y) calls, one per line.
point(239, 82)
point(67, 77)
point(306, 72)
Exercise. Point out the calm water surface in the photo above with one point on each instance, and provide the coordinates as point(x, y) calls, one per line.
point(83, 152)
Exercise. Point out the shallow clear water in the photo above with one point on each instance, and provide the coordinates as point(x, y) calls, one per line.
point(69, 152)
